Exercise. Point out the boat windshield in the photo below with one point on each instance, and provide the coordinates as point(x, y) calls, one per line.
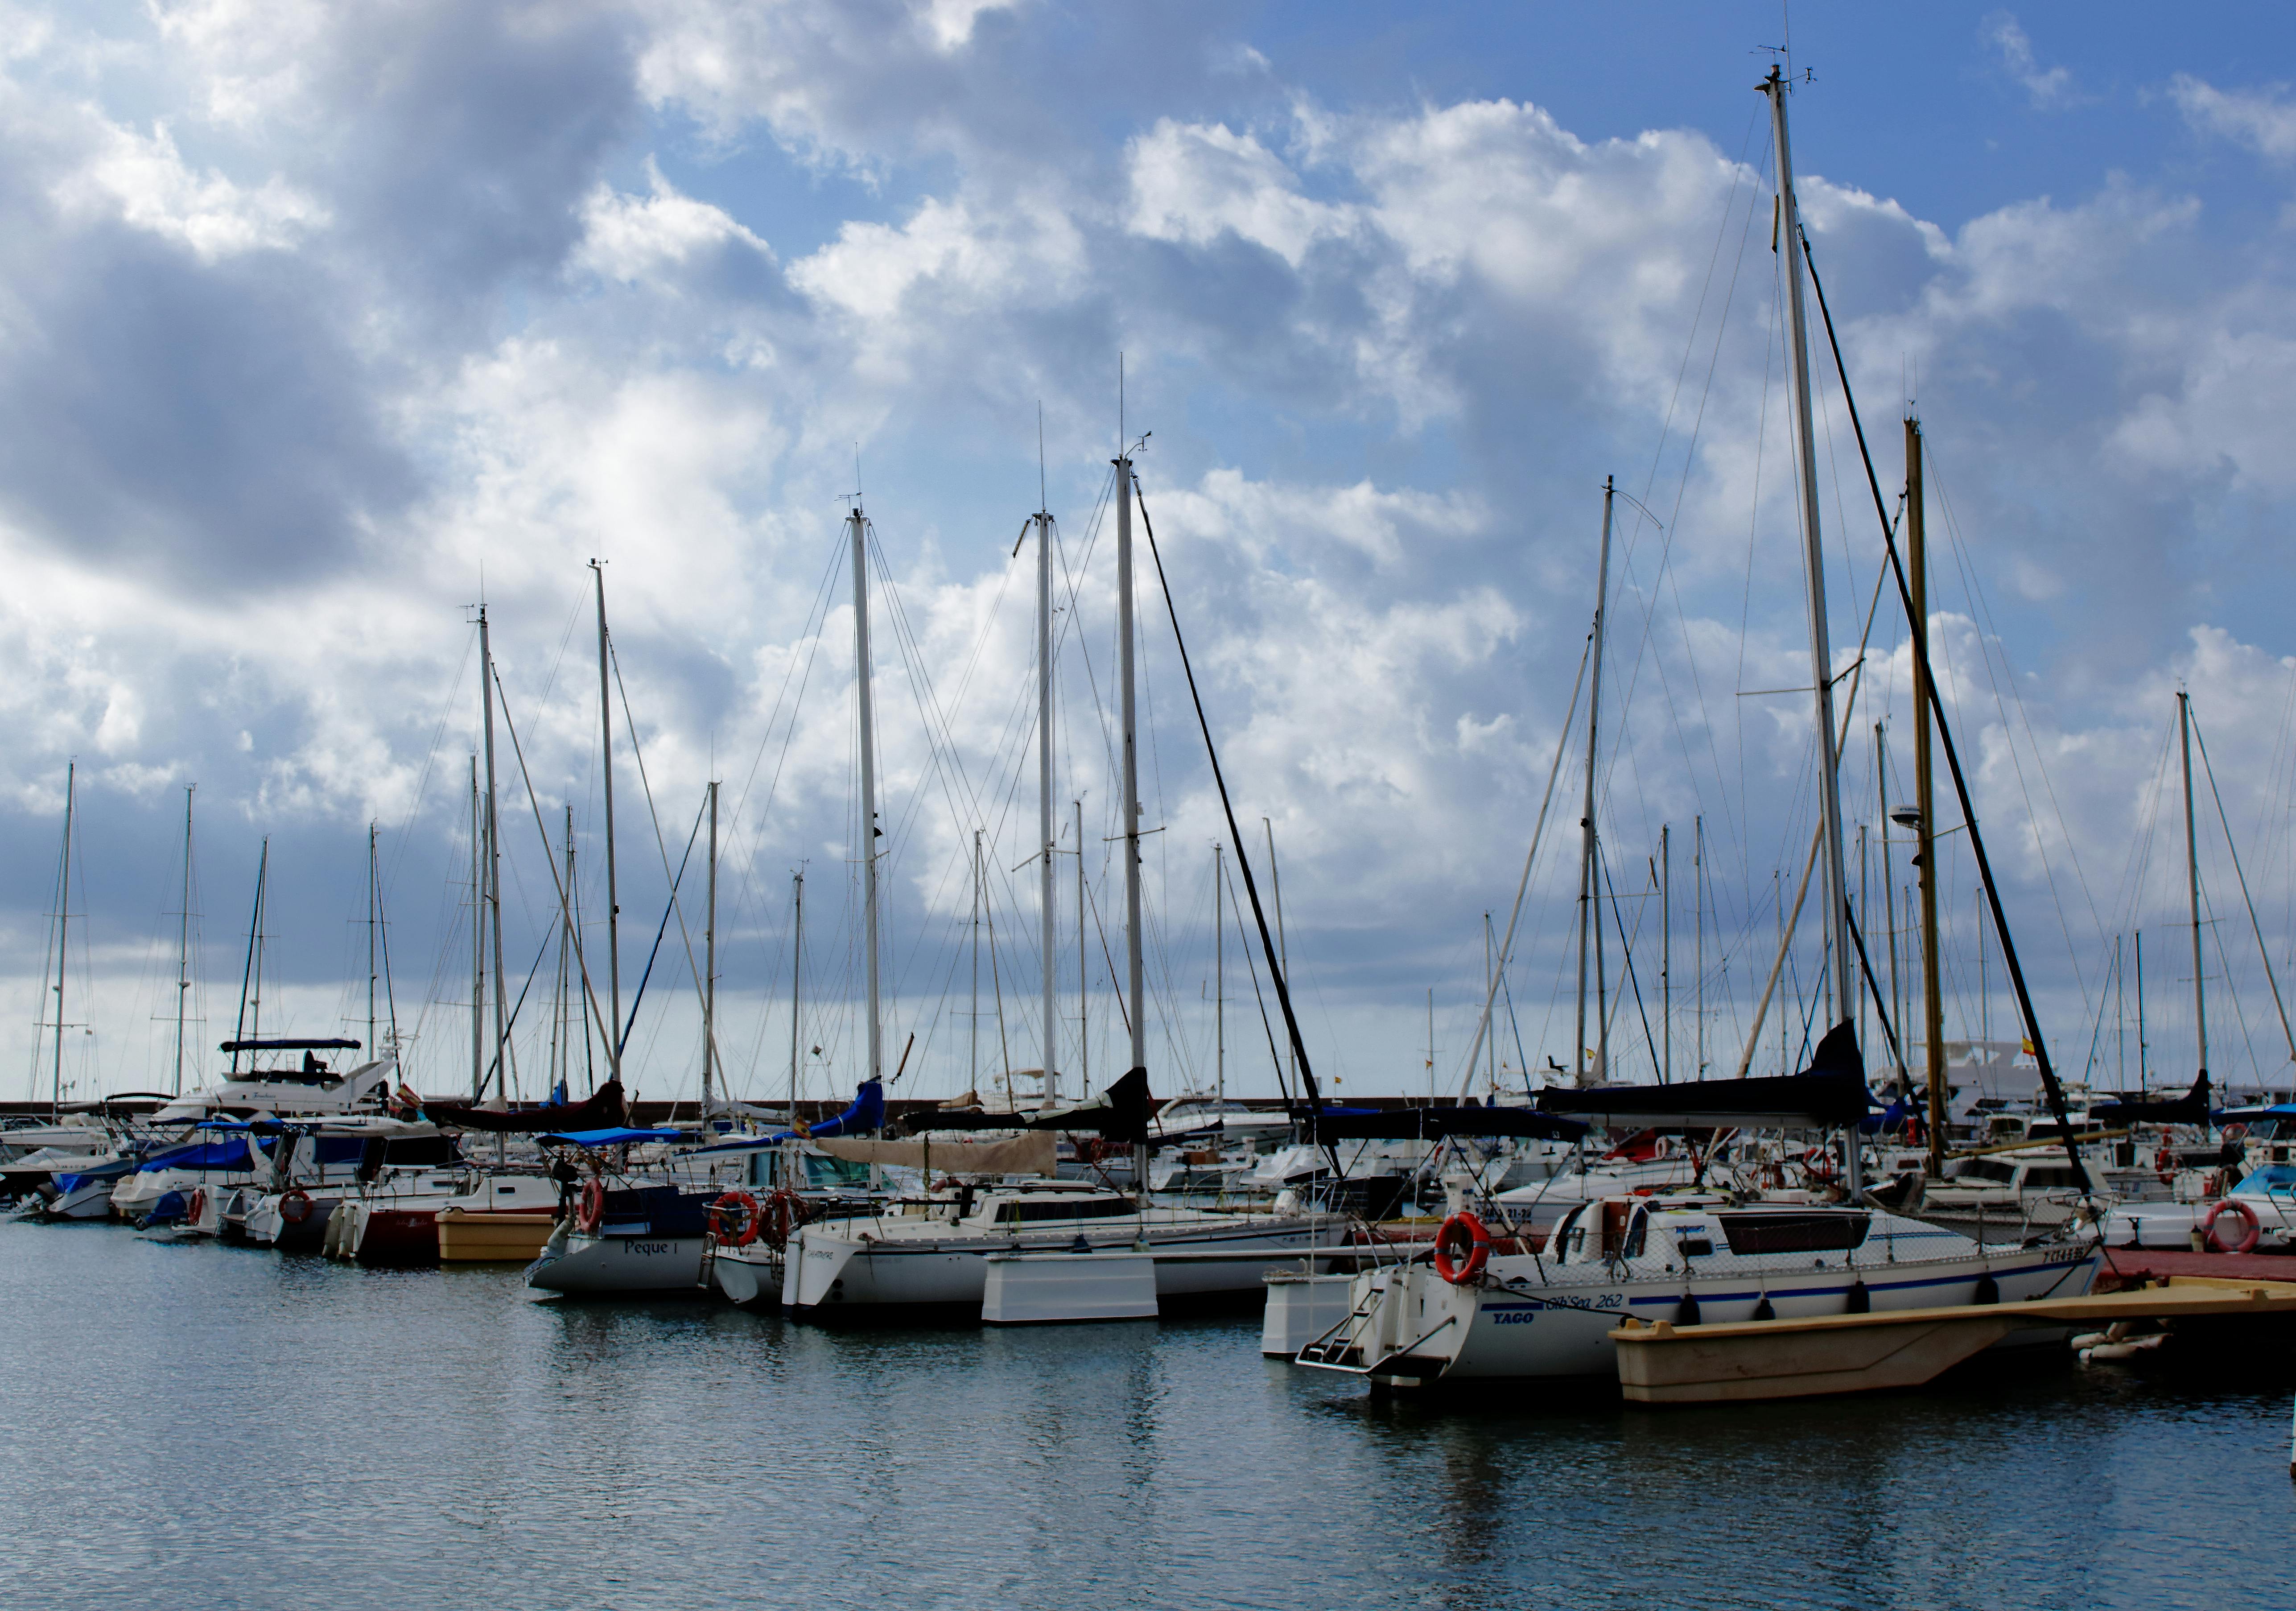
point(2273, 1178)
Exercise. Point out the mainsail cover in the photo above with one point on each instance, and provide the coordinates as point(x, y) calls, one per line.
point(2189, 1109)
point(1031, 1152)
point(1434, 1124)
point(1830, 1092)
point(605, 1108)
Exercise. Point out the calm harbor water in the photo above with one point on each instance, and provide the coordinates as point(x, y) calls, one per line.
point(195, 1426)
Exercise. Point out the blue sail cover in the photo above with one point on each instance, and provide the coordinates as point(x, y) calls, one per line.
point(203, 1155)
point(866, 1113)
point(611, 1138)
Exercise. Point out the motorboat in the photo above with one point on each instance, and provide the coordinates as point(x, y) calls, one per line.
point(2259, 1214)
point(929, 1255)
point(1687, 1258)
point(306, 1089)
point(164, 1180)
point(317, 1167)
point(423, 1219)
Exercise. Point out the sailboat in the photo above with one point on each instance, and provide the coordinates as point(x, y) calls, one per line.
point(1695, 1255)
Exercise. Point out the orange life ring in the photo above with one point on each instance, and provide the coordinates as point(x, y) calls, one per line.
point(295, 1206)
point(1464, 1230)
point(590, 1207)
point(2251, 1228)
point(2164, 1165)
point(197, 1206)
point(752, 1221)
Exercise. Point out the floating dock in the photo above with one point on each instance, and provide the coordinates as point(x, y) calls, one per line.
point(1751, 1361)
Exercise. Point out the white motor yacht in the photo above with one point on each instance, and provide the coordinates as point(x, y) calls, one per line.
point(2265, 1203)
point(308, 1089)
point(1689, 1258)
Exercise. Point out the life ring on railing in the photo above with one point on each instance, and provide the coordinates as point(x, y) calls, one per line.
point(590, 1207)
point(1464, 1231)
point(196, 1206)
point(752, 1221)
point(295, 1206)
point(783, 1212)
point(2164, 1165)
point(2251, 1228)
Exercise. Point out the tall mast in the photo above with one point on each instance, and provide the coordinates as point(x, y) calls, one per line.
point(2142, 1046)
point(64, 933)
point(1084, 967)
point(1590, 922)
point(477, 946)
point(184, 945)
point(255, 940)
point(858, 526)
point(1698, 885)
point(974, 1017)
point(494, 866)
point(371, 869)
point(1220, 979)
point(1665, 949)
point(1490, 989)
point(1924, 804)
point(1889, 877)
point(710, 965)
point(797, 957)
point(1045, 831)
point(1821, 651)
point(248, 976)
point(2191, 880)
point(1134, 993)
point(1282, 945)
point(613, 898)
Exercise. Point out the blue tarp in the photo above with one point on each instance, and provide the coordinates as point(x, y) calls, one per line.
point(200, 1154)
point(866, 1113)
point(611, 1138)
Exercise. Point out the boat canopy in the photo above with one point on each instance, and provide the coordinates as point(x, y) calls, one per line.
point(232, 1154)
point(614, 1137)
point(1830, 1092)
point(337, 1044)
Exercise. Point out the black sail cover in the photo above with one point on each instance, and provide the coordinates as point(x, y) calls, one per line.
point(1435, 1124)
point(1120, 1114)
point(2189, 1109)
point(603, 1109)
point(1829, 1093)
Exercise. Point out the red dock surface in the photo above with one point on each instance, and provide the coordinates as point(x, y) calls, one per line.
point(2126, 1265)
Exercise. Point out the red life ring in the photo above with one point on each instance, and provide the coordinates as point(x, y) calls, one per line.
point(783, 1212)
point(2251, 1228)
point(590, 1207)
point(295, 1206)
point(1466, 1231)
point(2164, 1165)
point(197, 1207)
point(752, 1221)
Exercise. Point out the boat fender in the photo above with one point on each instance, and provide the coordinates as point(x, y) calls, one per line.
point(590, 1207)
point(1763, 1312)
point(1860, 1301)
point(1988, 1290)
point(295, 1206)
point(2251, 1227)
point(1685, 1312)
point(1464, 1232)
point(752, 1219)
point(197, 1206)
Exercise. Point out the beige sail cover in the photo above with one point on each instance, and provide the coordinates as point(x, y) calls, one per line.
point(1031, 1152)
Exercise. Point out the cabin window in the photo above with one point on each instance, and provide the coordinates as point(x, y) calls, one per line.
point(1083, 1208)
point(1794, 1233)
point(2059, 1179)
point(1992, 1171)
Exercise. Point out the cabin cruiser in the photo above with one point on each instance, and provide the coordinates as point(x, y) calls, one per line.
point(932, 1253)
point(164, 1180)
point(1688, 1257)
point(308, 1089)
point(317, 1167)
point(2257, 1215)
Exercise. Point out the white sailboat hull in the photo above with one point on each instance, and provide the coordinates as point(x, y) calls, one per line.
point(580, 1263)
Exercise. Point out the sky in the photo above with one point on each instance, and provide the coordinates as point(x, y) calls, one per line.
point(319, 326)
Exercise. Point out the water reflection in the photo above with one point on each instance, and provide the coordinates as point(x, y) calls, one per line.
point(195, 1426)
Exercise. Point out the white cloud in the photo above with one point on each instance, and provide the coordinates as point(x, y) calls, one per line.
point(2049, 88)
point(145, 181)
point(2259, 120)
